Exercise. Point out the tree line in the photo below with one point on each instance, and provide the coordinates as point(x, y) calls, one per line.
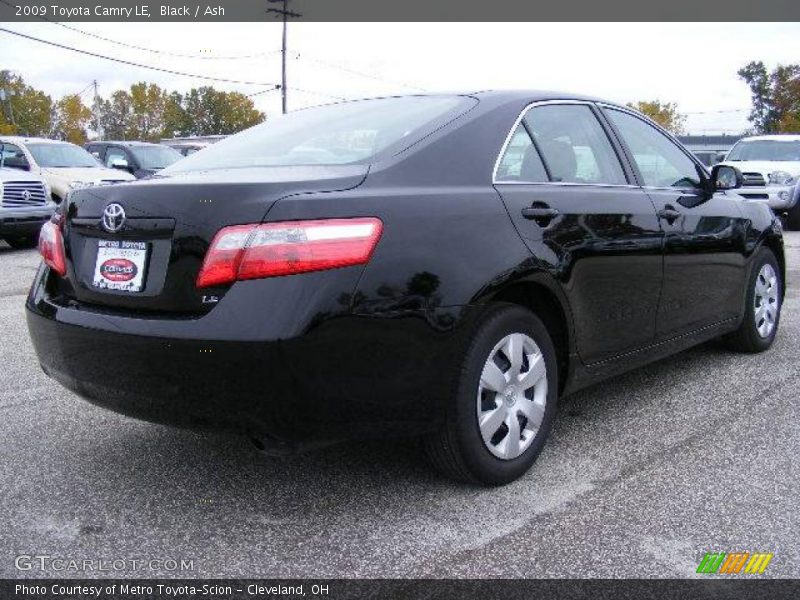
point(145, 111)
point(775, 97)
point(148, 112)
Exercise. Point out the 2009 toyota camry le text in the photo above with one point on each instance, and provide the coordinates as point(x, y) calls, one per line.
point(442, 266)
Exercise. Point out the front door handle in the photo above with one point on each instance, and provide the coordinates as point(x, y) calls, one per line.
point(669, 214)
point(537, 213)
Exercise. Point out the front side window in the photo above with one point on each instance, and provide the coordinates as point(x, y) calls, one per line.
point(661, 162)
point(13, 157)
point(766, 150)
point(574, 145)
point(336, 134)
point(61, 156)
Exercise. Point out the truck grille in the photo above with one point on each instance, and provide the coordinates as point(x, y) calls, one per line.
point(754, 180)
point(23, 194)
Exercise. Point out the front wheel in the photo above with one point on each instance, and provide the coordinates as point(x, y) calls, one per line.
point(762, 306)
point(502, 409)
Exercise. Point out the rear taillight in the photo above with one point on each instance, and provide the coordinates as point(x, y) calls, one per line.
point(51, 247)
point(272, 249)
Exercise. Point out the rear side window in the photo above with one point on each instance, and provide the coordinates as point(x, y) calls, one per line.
point(660, 161)
point(521, 160)
point(574, 145)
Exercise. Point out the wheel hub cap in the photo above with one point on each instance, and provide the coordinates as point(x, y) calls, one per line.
point(766, 301)
point(512, 394)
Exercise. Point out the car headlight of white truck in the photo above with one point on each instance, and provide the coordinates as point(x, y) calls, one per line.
point(781, 178)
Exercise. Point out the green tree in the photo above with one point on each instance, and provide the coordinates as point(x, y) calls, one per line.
point(72, 118)
point(25, 110)
point(211, 112)
point(665, 114)
point(148, 112)
point(147, 120)
point(115, 114)
point(176, 120)
point(775, 96)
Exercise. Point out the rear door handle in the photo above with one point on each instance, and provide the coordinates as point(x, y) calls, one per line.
point(539, 212)
point(669, 214)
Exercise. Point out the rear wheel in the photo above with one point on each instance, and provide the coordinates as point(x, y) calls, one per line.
point(762, 306)
point(502, 408)
point(793, 218)
point(22, 241)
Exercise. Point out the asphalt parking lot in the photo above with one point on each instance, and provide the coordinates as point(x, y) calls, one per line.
point(642, 475)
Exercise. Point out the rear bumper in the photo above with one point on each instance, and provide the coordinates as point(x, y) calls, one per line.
point(350, 376)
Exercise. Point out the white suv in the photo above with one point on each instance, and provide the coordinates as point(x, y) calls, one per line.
point(25, 204)
point(771, 168)
point(62, 165)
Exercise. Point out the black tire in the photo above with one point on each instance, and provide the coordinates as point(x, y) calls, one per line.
point(20, 242)
point(747, 338)
point(793, 218)
point(458, 449)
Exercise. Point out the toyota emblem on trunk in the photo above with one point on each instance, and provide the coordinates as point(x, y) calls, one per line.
point(113, 217)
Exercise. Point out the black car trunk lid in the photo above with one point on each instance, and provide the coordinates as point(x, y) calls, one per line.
point(168, 225)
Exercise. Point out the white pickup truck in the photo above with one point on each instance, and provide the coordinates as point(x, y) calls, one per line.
point(25, 204)
point(771, 168)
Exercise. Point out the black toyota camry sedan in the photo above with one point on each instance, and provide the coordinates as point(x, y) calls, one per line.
point(442, 266)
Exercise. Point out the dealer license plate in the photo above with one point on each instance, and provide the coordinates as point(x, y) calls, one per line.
point(120, 265)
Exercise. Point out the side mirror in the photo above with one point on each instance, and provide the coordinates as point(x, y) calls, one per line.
point(121, 164)
point(719, 157)
point(726, 177)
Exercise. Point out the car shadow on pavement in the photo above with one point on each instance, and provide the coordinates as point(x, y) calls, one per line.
point(230, 467)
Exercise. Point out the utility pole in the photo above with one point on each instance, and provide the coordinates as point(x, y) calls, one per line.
point(285, 12)
point(5, 96)
point(96, 111)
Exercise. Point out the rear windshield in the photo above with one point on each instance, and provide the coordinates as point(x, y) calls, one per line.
point(769, 150)
point(335, 134)
point(155, 157)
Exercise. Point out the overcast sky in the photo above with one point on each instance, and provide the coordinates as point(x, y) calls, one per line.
point(692, 64)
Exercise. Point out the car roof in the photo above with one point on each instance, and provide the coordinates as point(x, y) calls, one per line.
point(18, 139)
point(502, 95)
point(780, 137)
point(535, 95)
point(122, 143)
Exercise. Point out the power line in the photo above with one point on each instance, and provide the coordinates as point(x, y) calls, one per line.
point(262, 92)
point(162, 52)
point(331, 65)
point(134, 64)
point(717, 112)
point(315, 93)
point(300, 56)
point(84, 90)
point(302, 90)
